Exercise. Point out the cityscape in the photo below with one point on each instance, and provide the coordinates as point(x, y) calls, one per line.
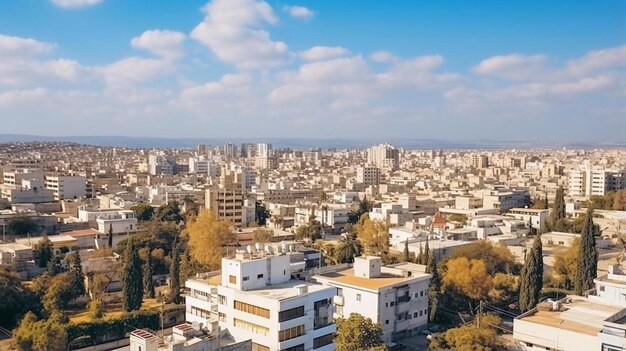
point(256, 175)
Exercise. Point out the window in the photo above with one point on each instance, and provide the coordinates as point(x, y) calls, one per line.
point(259, 276)
point(290, 314)
point(393, 303)
point(416, 295)
point(295, 348)
point(245, 279)
point(252, 309)
point(259, 347)
point(232, 279)
point(421, 313)
point(222, 317)
point(358, 297)
point(601, 287)
point(255, 328)
point(200, 312)
point(421, 293)
point(291, 333)
point(323, 340)
point(414, 314)
point(221, 299)
point(387, 321)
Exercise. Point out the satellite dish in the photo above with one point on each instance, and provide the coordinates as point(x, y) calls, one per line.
point(249, 249)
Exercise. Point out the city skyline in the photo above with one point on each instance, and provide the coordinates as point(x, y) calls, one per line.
point(256, 69)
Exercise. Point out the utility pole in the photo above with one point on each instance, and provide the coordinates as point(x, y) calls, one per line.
point(480, 312)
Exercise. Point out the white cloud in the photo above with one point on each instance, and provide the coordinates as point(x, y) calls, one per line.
point(383, 57)
point(74, 4)
point(135, 70)
point(514, 66)
point(598, 59)
point(582, 85)
point(299, 12)
point(11, 46)
point(21, 97)
point(164, 43)
point(320, 53)
point(232, 31)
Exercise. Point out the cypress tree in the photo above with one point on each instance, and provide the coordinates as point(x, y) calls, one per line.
point(148, 271)
point(558, 209)
point(76, 268)
point(531, 277)
point(132, 279)
point(420, 256)
point(545, 202)
point(587, 268)
point(406, 255)
point(175, 275)
point(110, 236)
point(426, 256)
point(434, 287)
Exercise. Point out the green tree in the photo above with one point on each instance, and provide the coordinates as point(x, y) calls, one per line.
point(22, 226)
point(434, 288)
point(262, 235)
point(470, 337)
point(132, 279)
point(144, 212)
point(148, 271)
point(497, 258)
point(558, 208)
point(358, 333)
point(175, 275)
point(426, 254)
point(42, 335)
point(374, 235)
point(96, 309)
point(188, 267)
point(60, 291)
point(207, 238)
point(406, 254)
point(15, 299)
point(76, 268)
point(169, 213)
point(531, 278)
point(545, 202)
point(348, 248)
point(43, 252)
point(587, 268)
point(110, 236)
point(565, 263)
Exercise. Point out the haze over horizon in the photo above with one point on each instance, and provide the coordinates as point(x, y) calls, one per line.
point(257, 69)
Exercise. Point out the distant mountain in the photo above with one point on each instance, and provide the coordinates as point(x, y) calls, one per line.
point(298, 143)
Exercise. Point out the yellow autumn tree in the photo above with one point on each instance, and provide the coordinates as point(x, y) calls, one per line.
point(207, 238)
point(469, 277)
point(374, 235)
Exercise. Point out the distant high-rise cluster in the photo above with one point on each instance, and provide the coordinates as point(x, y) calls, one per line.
point(384, 156)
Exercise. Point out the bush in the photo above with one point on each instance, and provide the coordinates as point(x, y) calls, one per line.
point(104, 330)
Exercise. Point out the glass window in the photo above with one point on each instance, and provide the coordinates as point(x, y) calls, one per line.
point(291, 333)
point(291, 314)
point(323, 340)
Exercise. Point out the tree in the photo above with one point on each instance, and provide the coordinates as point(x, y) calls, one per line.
point(261, 214)
point(96, 309)
point(531, 278)
point(15, 299)
point(43, 252)
point(497, 258)
point(456, 217)
point(148, 271)
point(374, 235)
point(619, 202)
point(434, 288)
point(144, 212)
point(587, 268)
point(22, 226)
point(348, 248)
point(207, 238)
point(132, 279)
point(76, 268)
point(169, 213)
point(565, 264)
point(110, 236)
point(470, 337)
point(468, 277)
point(42, 335)
point(59, 292)
point(358, 333)
point(262, 235)
point(426, 254)
point(545, 202)
point(175, 275)
point(405, 254)
point(558, 208)
point(188, 266)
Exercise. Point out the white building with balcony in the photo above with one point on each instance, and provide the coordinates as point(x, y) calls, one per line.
point(255, 298)
point(396, 296)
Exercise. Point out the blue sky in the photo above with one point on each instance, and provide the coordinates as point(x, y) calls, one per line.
point(501, 70)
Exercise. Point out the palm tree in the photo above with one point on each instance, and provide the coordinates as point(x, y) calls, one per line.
point(348, 248)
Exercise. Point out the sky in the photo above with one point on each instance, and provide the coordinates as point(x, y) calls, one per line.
point(449, 70)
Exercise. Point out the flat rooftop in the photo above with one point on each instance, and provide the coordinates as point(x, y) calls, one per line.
point(346, 277)
point(580, 315)
point(287, 290)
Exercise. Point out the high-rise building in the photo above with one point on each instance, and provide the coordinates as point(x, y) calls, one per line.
point(202, 149)
point(588, 181)
point(160, 163)
point(226, 198)
point(384, 156)
point(368, 175)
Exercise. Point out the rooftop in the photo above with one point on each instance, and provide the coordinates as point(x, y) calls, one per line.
point(346, 277)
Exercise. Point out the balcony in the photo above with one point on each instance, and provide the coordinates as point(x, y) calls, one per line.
point(338, 300)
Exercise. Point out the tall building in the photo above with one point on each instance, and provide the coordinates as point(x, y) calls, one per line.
point(478, 161)
point(254, 297)
point(588, 181)
point(226, 198)
point(384, 156)
point(229, 150)
point(66, 187)
point(396, 296)
point(202, 149)
point(368, 175)
point(160, 163)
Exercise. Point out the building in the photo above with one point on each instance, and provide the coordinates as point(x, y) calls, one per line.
point(226, 199)
point(396, 296)
point(160, 163)
point(588, 181)
point(384, 156)
point(368, 175)
point(120, 222)
point(478, 161)
point(66, 187)
point(576, 323)
point(536, 217)
point(504, 199)
point(255, 298)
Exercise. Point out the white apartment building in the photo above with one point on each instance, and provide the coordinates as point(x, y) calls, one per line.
point(159, 163)
point(66, 187)
point(575, 323)
point(121, 222)
point(254, 298)
point(588, 181)
point(384, 156)
point(537, 217)
point(200, 165)
point(396, 296)
point(504, 199)
point(333, 218)
point(368, 175)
